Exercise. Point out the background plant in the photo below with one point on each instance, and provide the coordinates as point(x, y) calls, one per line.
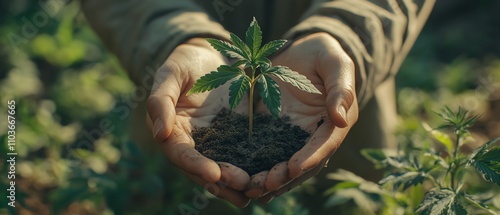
point(253, 56)
point(64, 82)
point(445, 174)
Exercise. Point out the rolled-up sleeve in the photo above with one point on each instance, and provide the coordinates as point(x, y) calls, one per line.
point(377, 34)
point(143, 33)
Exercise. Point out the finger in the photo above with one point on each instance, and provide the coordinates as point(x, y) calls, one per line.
point(236, 198)
point(233, 177)
point(179, 149)
point(162, 101)
point(337, 71)
point(277, 177)
point(256, 187)
point(298, 181)
point(289, 186)
point(323, 143)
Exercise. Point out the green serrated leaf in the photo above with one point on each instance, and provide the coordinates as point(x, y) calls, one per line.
point(376, 156)
point(476, 203)
point(239, 63)
point(488, 171)
point(254, 37)
point(460, 120)
point(237, 90)
point(264, 64)
point(486, 161)
point(455, 208)
point(481, 150)
point(443, 139)
point(226, 48)
point(407, 179)
point(372, 188)
point(362, 200)
point(341, 186)
point(495, 165)
point(351, 180)
point(436, 202)
point(246, 52)
point(399, 163)
point(344, 175)
point(294, 78)
point(270, 48)
point(215, 79)
point(471, 121)
point(491, 155)
point(270, 94)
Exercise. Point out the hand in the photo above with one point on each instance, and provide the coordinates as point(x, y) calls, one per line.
point(323, 61)
point(172, 115)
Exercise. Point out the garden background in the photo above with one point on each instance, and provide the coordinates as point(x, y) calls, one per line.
point(65, 84)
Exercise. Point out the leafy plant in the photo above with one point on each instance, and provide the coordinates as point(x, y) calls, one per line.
point(287, 204)
point(251, 55)
point(445, 174)
point(352, 188)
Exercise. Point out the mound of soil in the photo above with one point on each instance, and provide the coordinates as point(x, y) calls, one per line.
point(273, 141)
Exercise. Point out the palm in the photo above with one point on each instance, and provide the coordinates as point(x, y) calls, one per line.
point(327, 117)
point(198, 110)
point(304, 109)
point(172, 115)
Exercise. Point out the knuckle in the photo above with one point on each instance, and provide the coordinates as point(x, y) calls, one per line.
point(346, 61)
point(347, 93)
point(150, 103)
point(171, 66)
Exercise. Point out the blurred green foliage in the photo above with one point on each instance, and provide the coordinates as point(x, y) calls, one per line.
point(65, 83)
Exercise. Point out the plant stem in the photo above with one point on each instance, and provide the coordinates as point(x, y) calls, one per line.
point(250, 110)
point(455, 163)
point(457, 145)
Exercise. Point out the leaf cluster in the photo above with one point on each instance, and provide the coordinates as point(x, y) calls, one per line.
point(353, 188)
point(409, 168)
point(459, 120)
point(251, 54)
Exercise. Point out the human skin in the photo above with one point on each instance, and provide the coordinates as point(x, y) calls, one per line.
point(172, 115)
point(322, 60)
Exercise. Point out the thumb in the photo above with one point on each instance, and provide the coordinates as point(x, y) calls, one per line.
point(339, 102)
point(162, 102)
point(337, 71)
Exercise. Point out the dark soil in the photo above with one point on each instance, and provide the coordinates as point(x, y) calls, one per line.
point(226, 140)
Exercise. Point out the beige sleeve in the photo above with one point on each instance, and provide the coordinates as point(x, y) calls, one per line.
point(143, 33)
point(377, 34)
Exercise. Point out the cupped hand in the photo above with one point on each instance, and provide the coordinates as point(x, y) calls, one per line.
point(328, 117)
point(172, 115)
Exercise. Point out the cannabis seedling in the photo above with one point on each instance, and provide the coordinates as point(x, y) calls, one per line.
point(253, 56)
point(416, 165)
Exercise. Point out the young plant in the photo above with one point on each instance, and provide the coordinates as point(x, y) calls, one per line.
point(253, 56)
point(450, 192)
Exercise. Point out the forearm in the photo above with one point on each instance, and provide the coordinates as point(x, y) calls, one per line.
point(143, 33)
point(376, 34)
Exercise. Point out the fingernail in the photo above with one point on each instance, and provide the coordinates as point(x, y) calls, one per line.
point(326, 163)
point(343, 113)
point(269, 200)
point(158, 126)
